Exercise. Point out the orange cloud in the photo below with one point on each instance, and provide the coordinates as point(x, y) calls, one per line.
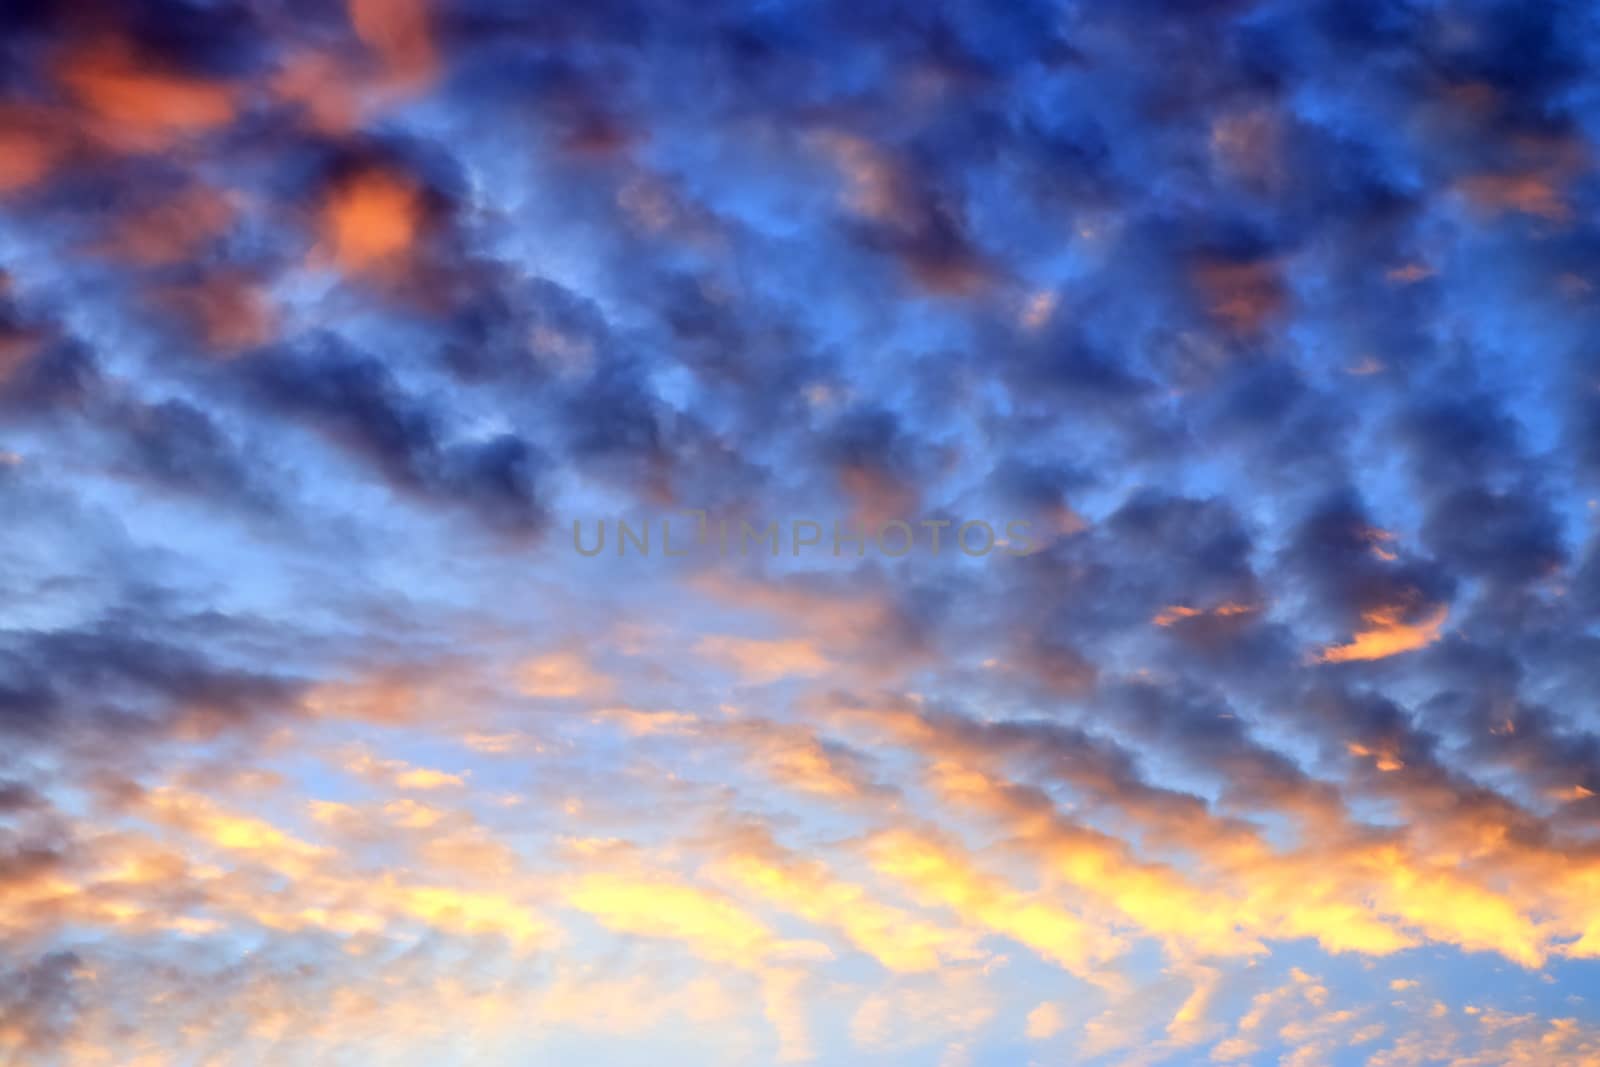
point(1174, 613)
point(1534, 181)
point(561, 676)
point(1541, 195)
point(795, 757)
point(1388, 634)
point(172, 230)
point(228, 310)
point(31, 145)
point(875, 187)
point(1244, 296)
point(371, 221)
point(230, 831)
point(1248, 144)
point(1384, 761)
point(398, 774)
point(764, 660)
point(399, 32)
point(16, 349)
point(143, 108)
point(327, 93)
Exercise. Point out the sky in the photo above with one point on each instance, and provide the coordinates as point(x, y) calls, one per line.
point(839, 532)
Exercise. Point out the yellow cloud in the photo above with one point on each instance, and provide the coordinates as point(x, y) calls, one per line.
point(712, 925)
point(897, 939)
point(936, 873)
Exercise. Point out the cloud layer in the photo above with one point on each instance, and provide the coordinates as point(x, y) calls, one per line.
point(321, 325)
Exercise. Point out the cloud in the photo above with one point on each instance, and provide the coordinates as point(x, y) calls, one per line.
point(1388, 635)
point(561, 676)
point(1274, 322)
point(763, 661)
point(1044, 1022)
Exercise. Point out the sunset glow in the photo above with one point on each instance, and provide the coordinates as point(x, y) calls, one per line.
point(974, 533)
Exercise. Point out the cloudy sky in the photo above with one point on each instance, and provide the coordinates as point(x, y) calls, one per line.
point(1272, 736)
